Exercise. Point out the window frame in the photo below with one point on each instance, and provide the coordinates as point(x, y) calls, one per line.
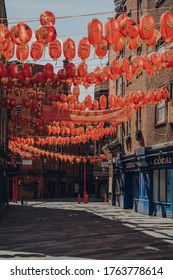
point(161, 105)
point(157, 186)
point(171, 90)
point(139, 119)
point(139, 9)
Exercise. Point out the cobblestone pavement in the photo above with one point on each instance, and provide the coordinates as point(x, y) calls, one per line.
point(67, 230)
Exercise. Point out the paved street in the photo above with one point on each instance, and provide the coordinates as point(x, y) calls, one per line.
point(93, 231)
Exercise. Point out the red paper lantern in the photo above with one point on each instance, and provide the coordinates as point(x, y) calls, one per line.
point(102, 48)
point(82, 69)
point(70, 70)
point(55, 49)
point(119, 46)
point(133, 43)
point(124, 64)
point(76, 91)
point(36, 50)
point(20, 33)
point(112, 31)
point(103, 102)
point(115, 67)
point(53, 97)
point(40, 78)
point(111, 101)
point(153, 40)
point(63, 98)
point(47, 18)
point(95, 32)
point(22, 52)
point(146, 26)
point(4, 32)
point(13, 70)
point(95, 105)
point(49, 71)
point(167, 56)
point(45, 34)
point(155, 59)
point(166, 27)
point(129, 27)
point(69, 49)
point(62, 74)
point(129, 74)
point(121, 17)
point(91, 78)
point(9, 52)
point(84, 48)
point(137, 63)
point(27, 70)
point(88, 101)
point(4, 45)
point(3, 70)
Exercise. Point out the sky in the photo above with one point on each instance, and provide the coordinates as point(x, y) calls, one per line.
point(71, 21)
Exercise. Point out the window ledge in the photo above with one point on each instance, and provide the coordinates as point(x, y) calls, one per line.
point(157, 125)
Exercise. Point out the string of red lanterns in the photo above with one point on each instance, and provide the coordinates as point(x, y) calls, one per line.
point(115, 32)
point(27, 151)
point(14, 75)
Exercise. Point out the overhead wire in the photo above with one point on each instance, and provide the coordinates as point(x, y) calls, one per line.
point(85, 15)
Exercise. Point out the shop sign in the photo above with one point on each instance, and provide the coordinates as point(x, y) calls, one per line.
point(130, 165)
point(101, 174)
point(104, 164)
point(139, 152)
point(162, 160)
point(26, 161)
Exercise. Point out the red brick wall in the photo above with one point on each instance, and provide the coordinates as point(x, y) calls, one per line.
point(152, 134)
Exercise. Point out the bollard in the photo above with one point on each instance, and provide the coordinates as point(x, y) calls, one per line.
point(39, 195)
point(21, 199)
point(78, 198)
point(105, 198)
point(86, 199)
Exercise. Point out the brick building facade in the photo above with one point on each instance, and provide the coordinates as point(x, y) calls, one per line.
point(3, 131)
point(144, 180)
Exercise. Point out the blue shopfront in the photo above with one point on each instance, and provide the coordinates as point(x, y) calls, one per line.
point(147, 181)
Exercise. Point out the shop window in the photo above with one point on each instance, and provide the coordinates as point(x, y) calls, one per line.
point(171, 90)
point(120, 87)
point(136, 186)
point(140, 8)
point(128, 128)
point(161, 185)
point(155, 185)
point(158, 3)
point(145, 184)
point(160, 113)
point(168, 185)
point(139, 119)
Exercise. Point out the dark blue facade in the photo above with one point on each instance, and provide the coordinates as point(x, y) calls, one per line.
point(147, 181)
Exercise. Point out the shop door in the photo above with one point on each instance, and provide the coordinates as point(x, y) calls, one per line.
point(129, 183)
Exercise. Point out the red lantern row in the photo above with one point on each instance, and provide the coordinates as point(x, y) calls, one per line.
point(25, 151)
point(70, 74)
point(117, 32)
